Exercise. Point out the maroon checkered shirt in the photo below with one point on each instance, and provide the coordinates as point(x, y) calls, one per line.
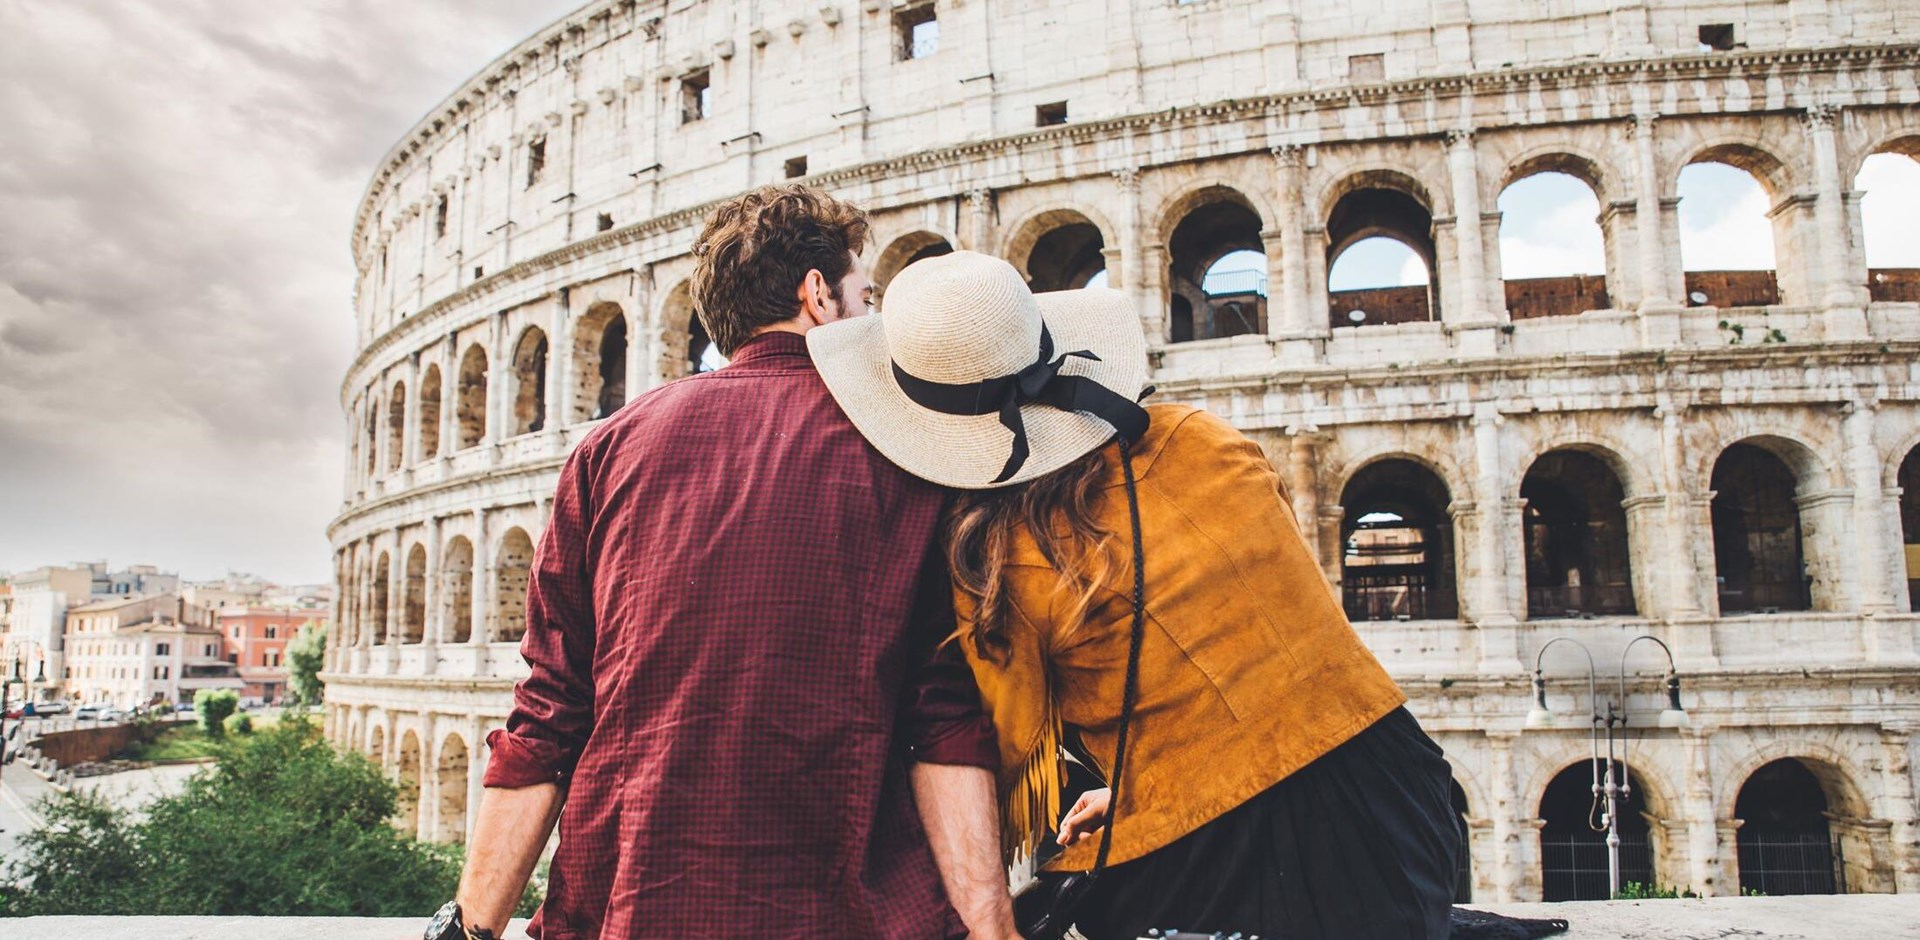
point(730, 627)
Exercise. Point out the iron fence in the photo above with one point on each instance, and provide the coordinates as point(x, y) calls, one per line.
point(1574, 868)
point(1776, 863)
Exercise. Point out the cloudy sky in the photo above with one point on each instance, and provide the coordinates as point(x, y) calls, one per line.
point(177, 181)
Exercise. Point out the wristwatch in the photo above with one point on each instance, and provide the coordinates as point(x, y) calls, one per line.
point(446, 925)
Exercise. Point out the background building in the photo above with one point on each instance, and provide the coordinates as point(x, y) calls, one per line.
point(34, 623)
point(254, 639)
point(144, 650)
point(1484, 459)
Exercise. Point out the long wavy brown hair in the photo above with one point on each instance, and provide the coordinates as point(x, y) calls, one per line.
point(1058, 509)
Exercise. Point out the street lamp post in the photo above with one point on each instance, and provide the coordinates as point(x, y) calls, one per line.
point(1603, 722)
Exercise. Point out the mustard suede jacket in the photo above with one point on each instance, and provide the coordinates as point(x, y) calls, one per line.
point(1249, 669)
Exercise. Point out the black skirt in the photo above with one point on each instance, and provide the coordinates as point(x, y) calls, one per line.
point(1359, 844)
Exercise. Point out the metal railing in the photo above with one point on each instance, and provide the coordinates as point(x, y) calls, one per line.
point(1607, 600)
point(1397, 602)
point(1574, 868)
point(1775, 863)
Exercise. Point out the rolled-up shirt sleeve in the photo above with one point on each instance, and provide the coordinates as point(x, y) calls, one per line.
point(942, 721)
point(553, 706)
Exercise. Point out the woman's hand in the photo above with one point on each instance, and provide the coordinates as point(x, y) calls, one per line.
point(1087, 817)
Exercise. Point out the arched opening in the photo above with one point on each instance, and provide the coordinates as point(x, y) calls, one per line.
point(1757, 552)
point(530, 382)
point(903, 251)
point(470, 408)
point(396, 426)
point(451, 780)
point(1576, 538)
point(381, 584)
point(513, 566)
point(1463, 868)
point(1380, 256)
point(1058, 250)
point(1726, 237)
point(413, 618)
point(1553, 255)
point(430, 413)
point(1398, 556)
point(1229, 300)
point(1180, 323)
point(1573, 837)
point(702, 354)
point(1910, 523)
point(1785, 838)
point(688, 350)
point(407, 771)
point(372, 440)
point(456, 591)
point(600, 362)
point(1890, 184)
point(377, 746)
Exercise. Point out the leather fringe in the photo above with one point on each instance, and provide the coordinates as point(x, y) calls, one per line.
point(1031, 807)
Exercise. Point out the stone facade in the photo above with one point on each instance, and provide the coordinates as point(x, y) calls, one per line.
point(1722, 461)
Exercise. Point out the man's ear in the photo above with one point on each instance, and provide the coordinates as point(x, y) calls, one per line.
point(814, 295)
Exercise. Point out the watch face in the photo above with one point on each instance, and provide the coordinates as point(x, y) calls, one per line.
point(446, 923)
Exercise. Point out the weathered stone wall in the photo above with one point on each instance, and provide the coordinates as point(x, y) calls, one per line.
point(1195, 129)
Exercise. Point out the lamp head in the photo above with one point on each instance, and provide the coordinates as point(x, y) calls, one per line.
point(1538, 716)
point(1673, 716)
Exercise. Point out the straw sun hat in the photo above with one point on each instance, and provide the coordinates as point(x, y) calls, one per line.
point(968, 379)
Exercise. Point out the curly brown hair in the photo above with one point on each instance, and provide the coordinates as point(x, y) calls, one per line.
point(757, 248)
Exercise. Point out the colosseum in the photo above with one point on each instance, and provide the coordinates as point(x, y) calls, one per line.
point(1727, 461)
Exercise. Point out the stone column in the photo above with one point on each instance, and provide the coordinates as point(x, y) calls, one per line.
point(1126, 275)
point(1288, 273)
point(1896, 767)
point(1704, 870)
point(430, 619)
point(560, 365)
point(1469, 246)
point(476, 768)
point(410, 422)
point(1845, 316)
point(1660, 281)
point(1510, 855)
point(1492, 574)
point(497, 370)
point(979, 225)
point(1314, 255)
point(1870, 514)
point(1301, 486)
point(449, 398)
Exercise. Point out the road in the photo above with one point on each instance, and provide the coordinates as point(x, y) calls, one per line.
point(20, 789)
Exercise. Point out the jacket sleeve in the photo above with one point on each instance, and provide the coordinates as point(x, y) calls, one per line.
point(553, 706)
point(941, 720)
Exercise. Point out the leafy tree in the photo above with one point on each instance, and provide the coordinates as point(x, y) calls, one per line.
point(213, 706)
point(305, 654)
point(283, 825)
point(238, 725)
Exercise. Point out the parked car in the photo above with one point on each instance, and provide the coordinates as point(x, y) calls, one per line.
point(16, 712)
point(110, 713)
point(50, 708)
point(88, 712)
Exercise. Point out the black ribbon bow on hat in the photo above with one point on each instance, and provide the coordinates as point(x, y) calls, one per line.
point(1038, 384)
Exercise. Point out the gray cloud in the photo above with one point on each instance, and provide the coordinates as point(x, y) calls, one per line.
point(177, 183)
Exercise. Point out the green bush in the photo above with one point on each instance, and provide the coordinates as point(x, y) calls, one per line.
point(283, 825)
point(1636, 891)
point(213, 706)
point(238, 725)
point(306, 653)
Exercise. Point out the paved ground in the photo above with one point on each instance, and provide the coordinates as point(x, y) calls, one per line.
point(1856, 917)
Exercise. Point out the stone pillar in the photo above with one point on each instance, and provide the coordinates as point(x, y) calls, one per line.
point(1301, 485)
point(430, 619)
point(449, 398)
point(978, 233)
point(1126, 275)
point(1896, 767)
point(497, 370)
point(1288, 277)
point(1491, 576)
point(1870, 513)
point(1469, 245)
point(1659, 279)
point(1511, 856)
point(560, 381)
point(476, 768)
point(483, 583)
point(1846, 318)
point(1704, 871)
point(1315, 257)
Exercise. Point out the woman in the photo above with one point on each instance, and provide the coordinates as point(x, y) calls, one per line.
point(1271, 783)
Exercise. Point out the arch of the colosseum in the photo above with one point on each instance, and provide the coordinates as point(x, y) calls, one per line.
point(682, 338)
point(528, 388)
point(382, 579)
point(600, 361)
point(904, 249)
point(470, 409)
point(1576, 536)
point(456, 591)
point(450, 782)
point(1059, 247)
point(513, 567)
point(429, 416)
point(413, 616)
point(406, 772)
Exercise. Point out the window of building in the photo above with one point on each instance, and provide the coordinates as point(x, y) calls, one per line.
point(162, 649)
point(440, 217)
point(1047, 115)
point(1716, 37)
point(479, 272)
point(796, 166)
point(916, 32)
point(212, 650)
point(1367, 68)
point(273, 631)
point(696, 95)
point(536, 161)
point(604, 222)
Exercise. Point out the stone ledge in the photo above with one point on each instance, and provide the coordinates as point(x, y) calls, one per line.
point(1880, 916)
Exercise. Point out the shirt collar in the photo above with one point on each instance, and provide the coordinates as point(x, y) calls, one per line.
point(771, 347)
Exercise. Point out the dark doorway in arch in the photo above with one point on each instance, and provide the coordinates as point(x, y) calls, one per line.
point(934, 250)
point(530, 382)
point(613, 368)
point(1180, 327)
point(1576, 538)
point(1910, 522)
point(1573, 839)
point(1463, 868)
point(1398, 556)
point(1066, 258)
point(1217, 230)
point(470, 398)
point(1757, 552)
point(1786, 843)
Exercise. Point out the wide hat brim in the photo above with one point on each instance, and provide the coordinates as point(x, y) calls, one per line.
point(970, 451)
